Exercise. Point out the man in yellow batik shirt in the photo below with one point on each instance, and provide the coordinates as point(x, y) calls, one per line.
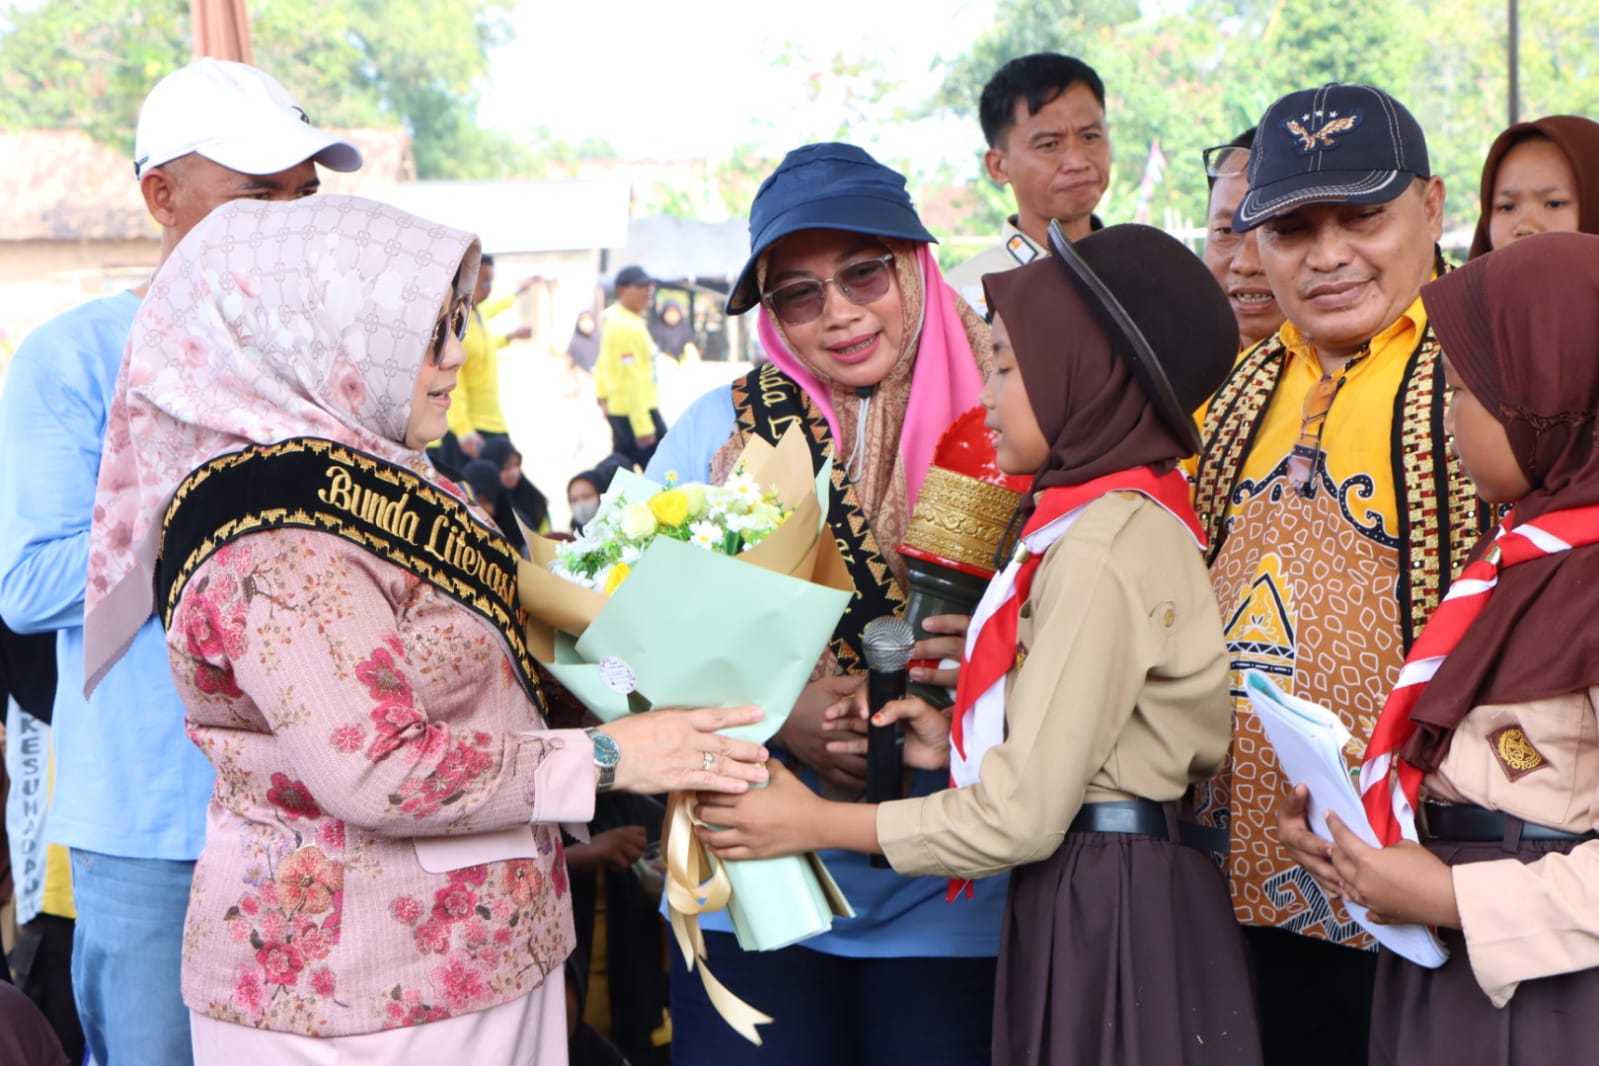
point(624, 372)
point(1335, 514)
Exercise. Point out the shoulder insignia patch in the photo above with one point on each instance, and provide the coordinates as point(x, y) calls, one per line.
point(1021, 249)
point(1517, 757)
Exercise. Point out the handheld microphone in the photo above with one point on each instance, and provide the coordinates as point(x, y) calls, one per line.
point(888, 642)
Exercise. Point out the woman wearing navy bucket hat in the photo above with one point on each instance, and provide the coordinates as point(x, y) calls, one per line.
point(1094, 689)
point(873, 355)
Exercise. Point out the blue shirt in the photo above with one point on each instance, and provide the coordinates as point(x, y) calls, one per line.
point(127, 780)
point(895, 916)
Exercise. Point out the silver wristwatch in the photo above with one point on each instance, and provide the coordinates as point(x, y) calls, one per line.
point(606, 755)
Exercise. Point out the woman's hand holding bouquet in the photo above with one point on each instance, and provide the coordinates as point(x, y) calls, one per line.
point(703, 596)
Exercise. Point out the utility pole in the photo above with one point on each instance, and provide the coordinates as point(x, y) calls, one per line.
point(1511, 46)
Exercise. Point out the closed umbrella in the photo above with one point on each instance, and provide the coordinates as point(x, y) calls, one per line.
point(221, 29)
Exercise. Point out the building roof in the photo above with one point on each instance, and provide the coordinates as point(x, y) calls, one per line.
point(61, 185)
point(679, 249)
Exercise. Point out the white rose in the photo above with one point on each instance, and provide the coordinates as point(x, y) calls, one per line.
point(695, 494)
point(637, 521)
point(766, 516)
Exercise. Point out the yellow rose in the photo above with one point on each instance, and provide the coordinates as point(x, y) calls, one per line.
point(670, 508)
point(618, 574)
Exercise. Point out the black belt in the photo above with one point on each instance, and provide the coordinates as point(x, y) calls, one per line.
point(1145, 817)
point(1467, 821)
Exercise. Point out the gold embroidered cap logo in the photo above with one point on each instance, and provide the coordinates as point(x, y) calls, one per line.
point(1517, 757)
point(1316, 135)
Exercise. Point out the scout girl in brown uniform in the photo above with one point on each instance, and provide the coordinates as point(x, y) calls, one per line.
point(1491, 730)
point(1094, 686)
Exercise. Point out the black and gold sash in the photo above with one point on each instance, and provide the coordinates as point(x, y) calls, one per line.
point(310, 483)
point(766, 402)
point(1440, 515)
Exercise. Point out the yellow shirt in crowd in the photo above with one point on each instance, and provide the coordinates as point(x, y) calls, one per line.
point(475, 404)
point(624, 371)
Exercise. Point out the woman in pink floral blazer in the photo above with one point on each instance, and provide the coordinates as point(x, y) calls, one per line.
point(383, 876)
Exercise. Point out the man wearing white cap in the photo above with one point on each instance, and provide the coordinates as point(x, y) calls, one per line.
point(130, 790)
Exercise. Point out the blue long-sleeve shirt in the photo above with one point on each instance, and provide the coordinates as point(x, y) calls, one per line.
point(127, 780)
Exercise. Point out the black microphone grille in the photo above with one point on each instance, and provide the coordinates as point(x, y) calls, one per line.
point(888, 642)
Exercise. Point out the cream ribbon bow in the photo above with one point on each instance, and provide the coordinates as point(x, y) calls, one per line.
point(696, 883)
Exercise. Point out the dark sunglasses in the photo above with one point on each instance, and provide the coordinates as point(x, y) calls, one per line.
point(455, 319)
point(801, 300)
point(1225, 161)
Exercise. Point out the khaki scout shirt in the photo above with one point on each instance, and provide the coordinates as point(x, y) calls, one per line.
point(1123, 693)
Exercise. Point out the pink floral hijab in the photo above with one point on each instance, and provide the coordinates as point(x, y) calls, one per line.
point(268, 321)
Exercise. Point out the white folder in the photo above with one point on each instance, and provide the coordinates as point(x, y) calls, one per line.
point(1309, 741)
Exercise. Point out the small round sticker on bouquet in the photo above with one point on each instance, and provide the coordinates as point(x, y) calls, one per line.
point(617, 675)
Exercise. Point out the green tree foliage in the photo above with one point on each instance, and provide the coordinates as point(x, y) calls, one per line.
point(87, 64)
point(845, 90)
point(1195, 73)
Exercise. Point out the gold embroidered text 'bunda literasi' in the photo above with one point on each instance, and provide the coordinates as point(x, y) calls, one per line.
point(386, 509)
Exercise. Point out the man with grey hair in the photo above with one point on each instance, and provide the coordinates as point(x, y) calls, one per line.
point(131, 793)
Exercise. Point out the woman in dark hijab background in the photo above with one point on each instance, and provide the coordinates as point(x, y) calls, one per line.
point(517, 499)
point(584, 347)
point(671, 329)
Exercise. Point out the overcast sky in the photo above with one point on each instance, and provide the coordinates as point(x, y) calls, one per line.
point(694, 78)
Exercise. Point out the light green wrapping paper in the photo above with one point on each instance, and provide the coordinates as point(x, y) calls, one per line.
point(694, 628)
point(673, 625)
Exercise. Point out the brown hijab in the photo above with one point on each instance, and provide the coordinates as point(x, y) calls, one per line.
point(1521, 329)
point(1087, 400)
point(1577, 138)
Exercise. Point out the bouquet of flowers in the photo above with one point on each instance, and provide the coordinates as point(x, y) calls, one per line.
point(730, 519)
point(701, 595)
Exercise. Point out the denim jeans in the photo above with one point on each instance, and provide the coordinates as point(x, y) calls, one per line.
point(127, 952)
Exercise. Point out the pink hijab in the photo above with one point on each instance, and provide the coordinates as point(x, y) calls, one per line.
point(945, 380)
point(268, 321)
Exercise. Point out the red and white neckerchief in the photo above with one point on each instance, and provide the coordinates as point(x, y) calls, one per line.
point(1391, 806)
point(977, 722)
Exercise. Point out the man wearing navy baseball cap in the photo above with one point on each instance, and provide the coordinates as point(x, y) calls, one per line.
point(131, 792)
point(1335, 514)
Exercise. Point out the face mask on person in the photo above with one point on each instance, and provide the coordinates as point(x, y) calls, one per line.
point(584, 510)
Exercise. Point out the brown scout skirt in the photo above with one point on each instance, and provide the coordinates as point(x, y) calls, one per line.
point(1122, 950)
point(1441, 1017)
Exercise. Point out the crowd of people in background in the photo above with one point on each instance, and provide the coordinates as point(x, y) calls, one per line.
point(284, 794)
